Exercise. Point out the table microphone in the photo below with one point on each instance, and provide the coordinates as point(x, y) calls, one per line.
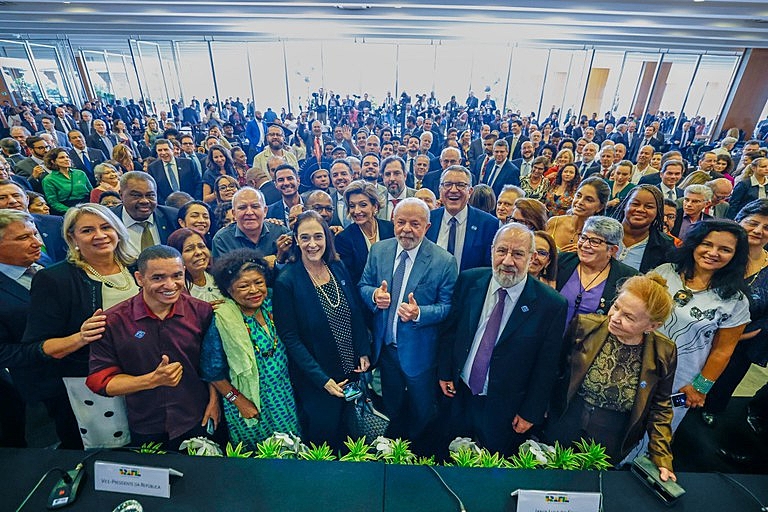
point(65, 491)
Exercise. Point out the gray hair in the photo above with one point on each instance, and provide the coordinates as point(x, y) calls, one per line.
point(99, 170)
point(8, 217)
point(456, 168)
point(415, 201)
point(237, 194)
point(136, 175)
point(702, 190)
point(513, 188)
point(606, 227)
point(317, 194)
point(73, 215)
point(521, 229)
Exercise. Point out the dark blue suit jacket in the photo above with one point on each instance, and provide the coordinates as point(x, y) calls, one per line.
point(509, 174)
point(431, 281)
point(165, 219)
point(481, 228)
point(352, 249)
point(189, 180)
point(524, 364)
point(50, 229)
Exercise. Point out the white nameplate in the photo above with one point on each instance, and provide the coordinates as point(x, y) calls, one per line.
point(130, 479)
point(556, 501)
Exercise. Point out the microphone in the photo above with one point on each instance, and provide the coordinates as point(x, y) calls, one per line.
point(65, 491)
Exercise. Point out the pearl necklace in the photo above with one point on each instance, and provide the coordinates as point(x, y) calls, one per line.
point(110, 284)
point(318, 286)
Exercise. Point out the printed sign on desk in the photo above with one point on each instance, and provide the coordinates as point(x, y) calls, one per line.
point(557, 501)
point(130, 479)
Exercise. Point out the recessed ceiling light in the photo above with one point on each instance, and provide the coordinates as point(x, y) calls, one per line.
point(353, 7)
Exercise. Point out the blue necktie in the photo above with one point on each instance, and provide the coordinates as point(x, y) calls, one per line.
point(172, 177)
point(394, 294)
point(86, 162)
point(451, 235)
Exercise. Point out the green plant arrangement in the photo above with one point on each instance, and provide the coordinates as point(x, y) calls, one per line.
point(151, 448)
point(463, 452)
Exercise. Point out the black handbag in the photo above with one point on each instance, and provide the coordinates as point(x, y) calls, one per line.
point(362, 418)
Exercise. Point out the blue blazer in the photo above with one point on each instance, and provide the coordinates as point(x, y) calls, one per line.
point(509, 174)
point(50, 229)
point(431, 281)
point(352, 249)
point(481, 228)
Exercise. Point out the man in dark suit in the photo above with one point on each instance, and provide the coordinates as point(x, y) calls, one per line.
point(499, 171)
point(648, 139)
point(589, 164)
point(83, 157)
point(259, 179)
point(174, 174)
point(315, 141)
point(59, 137)
point(120, 112)
point(476, 147)
point(695, 200)
point(667, 179)
point(63, 122)
point(147, 222)
point(515, 141)
point(287, 182)
point(19, 250)
point(14, 197)
point(500, 346)
point(407, 283)
point(101, 140)
point(684, 136)
point(463, 231)
point(86, 124)
point(197, 160)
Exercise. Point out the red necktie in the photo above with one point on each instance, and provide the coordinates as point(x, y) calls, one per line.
point(318, 150)
point(394, 203)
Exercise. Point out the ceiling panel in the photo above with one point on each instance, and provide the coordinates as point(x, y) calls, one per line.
point(677, 24)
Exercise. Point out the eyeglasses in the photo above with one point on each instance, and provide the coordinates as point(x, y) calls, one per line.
point(670, 216)
point(448, 185)
point(593, 241)
point(542, 253)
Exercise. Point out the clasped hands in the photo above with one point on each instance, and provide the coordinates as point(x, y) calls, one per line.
point(407, 311)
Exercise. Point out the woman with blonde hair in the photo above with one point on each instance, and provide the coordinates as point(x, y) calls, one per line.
point(620, 374)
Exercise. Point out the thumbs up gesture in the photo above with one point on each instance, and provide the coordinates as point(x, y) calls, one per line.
point(166, 373)
point(408, 311)
point(381, 296)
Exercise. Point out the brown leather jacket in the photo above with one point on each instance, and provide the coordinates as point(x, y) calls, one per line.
point(652, 410)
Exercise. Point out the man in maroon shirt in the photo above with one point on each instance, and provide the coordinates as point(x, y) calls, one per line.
point(150, 352)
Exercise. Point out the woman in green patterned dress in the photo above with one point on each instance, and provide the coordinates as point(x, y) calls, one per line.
point(242, 355)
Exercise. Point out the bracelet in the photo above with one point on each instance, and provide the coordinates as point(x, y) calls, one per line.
point(702, 384)
point(232, 395)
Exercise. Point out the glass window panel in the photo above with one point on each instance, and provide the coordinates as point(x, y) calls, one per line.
point(601, 95)
point(378, 66)
point(230, 61)
point(489, 72)
point(195, 72)
point(671, 86)
point(710, 88)
point(49, 72)
point(154, 82)
point(526, 79)
point(169, 69)
point(305, 70)
point(635, 84)
point(98, 74)
point(268, 68)
point(120, 84)
point(416, 65)
point(18, 74)
point(454, 61)
point(564, 84)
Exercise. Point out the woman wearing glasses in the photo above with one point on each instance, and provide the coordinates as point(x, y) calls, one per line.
point(588, 277)
point(706, 279)
point(218, 163)
point(543, 265)
point(225, 188)
point(535, 184)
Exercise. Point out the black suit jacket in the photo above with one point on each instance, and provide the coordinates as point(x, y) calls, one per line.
point(50, 229)
point(96, 143)
point(515, 153)
point(679, 221)
point(96, 156)
point(86, 129)
point(476, 150)
point(189, 180)
point(59, 126)
point(481, 228)
point(304, 328)
point(26, 362)
point(509, 174)
point(524, 364)
point(352, 249)
point(165, 220)
point(592, 168)
point(271, 194)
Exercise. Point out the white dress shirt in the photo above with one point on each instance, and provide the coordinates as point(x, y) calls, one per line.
point(135, 229)
point(461, 231)
point(408, 267)
point(513, 294)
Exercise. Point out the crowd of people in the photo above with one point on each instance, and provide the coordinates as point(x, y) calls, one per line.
point(232, 276)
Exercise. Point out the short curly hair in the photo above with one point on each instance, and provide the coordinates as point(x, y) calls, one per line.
point(229, 267)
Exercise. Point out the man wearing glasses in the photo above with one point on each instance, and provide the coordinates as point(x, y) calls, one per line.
point(33, 167)
point(696, 199)
point(188, 151)
point(275, 148)
point(462, 230)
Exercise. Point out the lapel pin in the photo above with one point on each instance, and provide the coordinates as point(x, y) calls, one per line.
point(473, 228)
point(524, 309)
point(643, 384)
point(139, 334)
